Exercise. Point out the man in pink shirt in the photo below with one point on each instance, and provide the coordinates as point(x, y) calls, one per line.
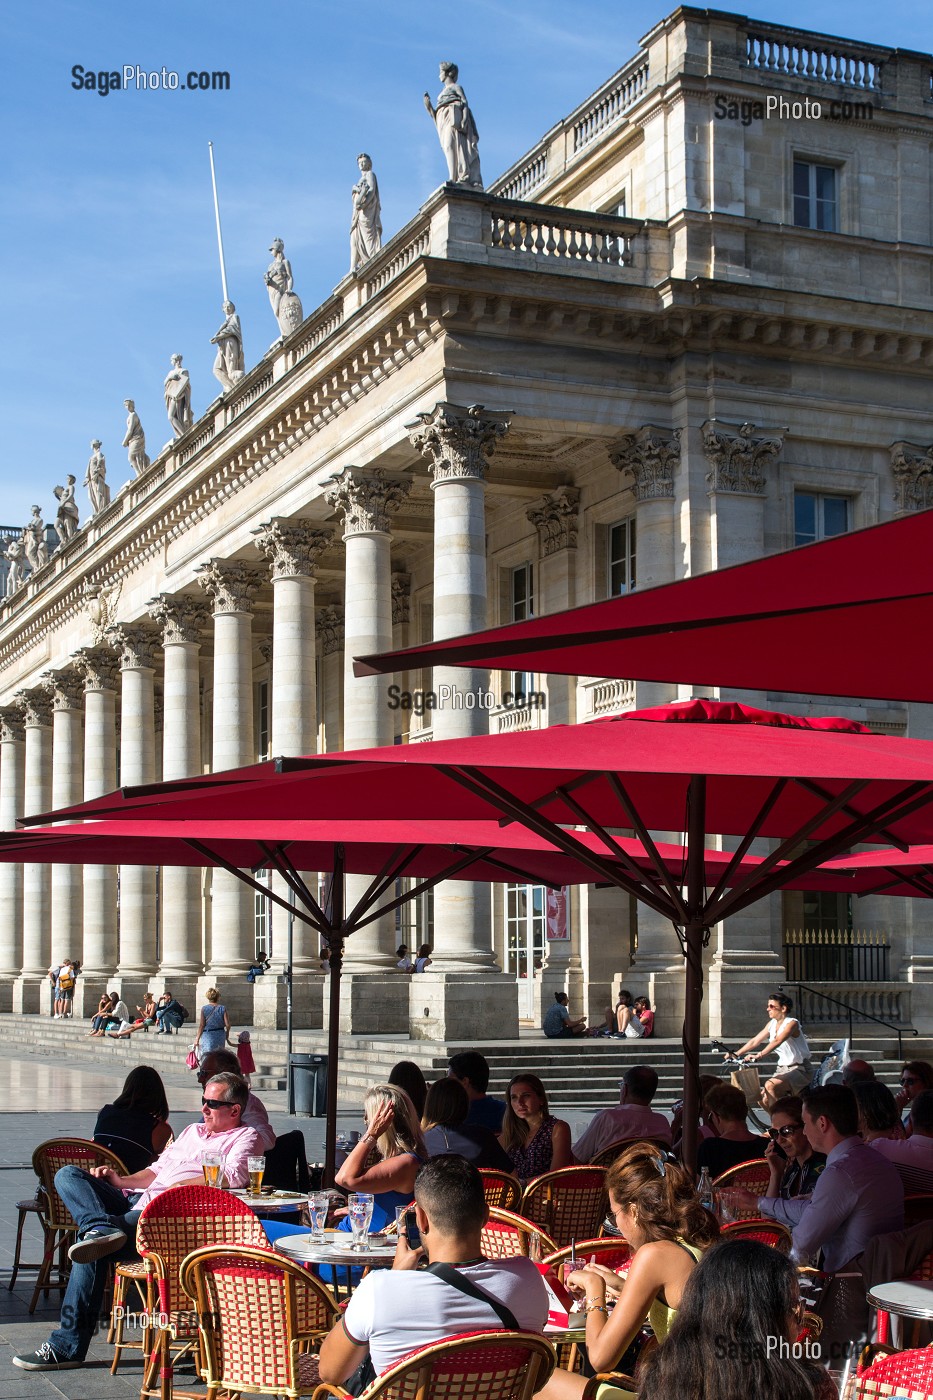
point(634, 1118)
point(913, 1156)
point(106, 1216)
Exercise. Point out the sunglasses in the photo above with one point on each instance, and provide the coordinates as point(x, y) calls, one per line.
point(214, 1105)
point(909, 1079)
point(787, 1131)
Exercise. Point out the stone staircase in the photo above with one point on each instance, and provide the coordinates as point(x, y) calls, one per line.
point(582, 1075)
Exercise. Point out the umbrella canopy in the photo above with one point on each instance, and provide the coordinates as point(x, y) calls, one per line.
point(797, 621)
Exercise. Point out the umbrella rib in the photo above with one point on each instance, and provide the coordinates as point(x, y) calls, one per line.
point(390, 872)
point(482, 786)
point(746, 841)
point(427, 884)
point(599, 830)
point(292, 878)
point(216, 859)
point(644, 836)
point(810, 786)
point(524, 876)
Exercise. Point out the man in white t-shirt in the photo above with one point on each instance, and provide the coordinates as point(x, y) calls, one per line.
point(395, 1311)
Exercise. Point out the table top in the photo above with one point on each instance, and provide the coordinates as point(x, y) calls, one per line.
point(905, 1297)
point(335, 1251)
point(272, 1203)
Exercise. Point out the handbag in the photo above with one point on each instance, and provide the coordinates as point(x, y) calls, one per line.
point(749, 1081)
point(191, 1059)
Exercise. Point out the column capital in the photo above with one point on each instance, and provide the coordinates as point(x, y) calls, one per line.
point(401, 599)
point(365, 499)
point(458, 440)
point(292, 547)
point(65, 689)
point(181, 617)
point(330, 630)
point(98, 666)
point(650, 456)
point(912, 466)
point(738, 458)
point(230, 584)
point(135, 646)
point(12, 728)
point(555, 517)
point(36, 705)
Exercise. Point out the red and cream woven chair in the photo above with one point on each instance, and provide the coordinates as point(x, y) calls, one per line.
point(478, 1366)
point(236, 1289)
point(770, 1232)
point(609, 1154)
point(617, 1379)
point(58, 1223)
point(171, 1227)
point(751, 1176)
point(569, 1204)
point(904, 1373)
point(506, 1234)
point(612, 1253)
point(502, 1191)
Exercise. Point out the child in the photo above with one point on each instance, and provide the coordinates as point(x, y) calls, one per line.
point(244, 1053)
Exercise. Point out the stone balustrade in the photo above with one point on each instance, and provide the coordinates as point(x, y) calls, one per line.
point(599, 698)
point(590, 238)
point(513, 719)
point(793, 53)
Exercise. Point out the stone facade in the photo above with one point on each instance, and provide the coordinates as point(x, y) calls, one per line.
point(631, 359)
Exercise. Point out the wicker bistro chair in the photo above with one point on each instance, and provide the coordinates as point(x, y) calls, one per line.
point(174, 1225)
point(765, 1231)
point(618, 1379)
point(478, 1366)
point(609, 1154)
point(58, 1223)
point(506, 1234)
point(34, 1206)
point(502, 1191)
point(569, 1204)
point(235, 1288)
point(907, 1373)
point(751, 1176)
point(613, 1253)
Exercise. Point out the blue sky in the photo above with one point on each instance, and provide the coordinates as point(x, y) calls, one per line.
point(108, 246)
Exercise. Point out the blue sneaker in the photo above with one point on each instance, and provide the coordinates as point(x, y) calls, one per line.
point(45, 1359)
point(96, 1244)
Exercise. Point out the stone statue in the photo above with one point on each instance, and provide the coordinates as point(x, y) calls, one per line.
point(366, 224)
point(16, 555)
point(135, 440)
point(177, 389)
point(456, 130)
point(286, 305)
point(67, 518)
point(95, 479)
point(37, 551)
point(228, 366)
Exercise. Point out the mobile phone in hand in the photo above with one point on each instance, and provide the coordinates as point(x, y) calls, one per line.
point(778, 1151)
point(412, 1233)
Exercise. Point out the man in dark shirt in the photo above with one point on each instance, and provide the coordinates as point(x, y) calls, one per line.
point(727, 1110)
point(472, 1071)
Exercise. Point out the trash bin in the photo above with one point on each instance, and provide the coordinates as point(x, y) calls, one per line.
point(308, 1085)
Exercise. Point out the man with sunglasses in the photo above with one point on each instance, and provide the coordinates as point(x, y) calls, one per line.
point(795, 1166)
point(107, 1207)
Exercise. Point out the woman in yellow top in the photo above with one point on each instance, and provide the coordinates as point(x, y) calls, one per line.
point(656, 1208)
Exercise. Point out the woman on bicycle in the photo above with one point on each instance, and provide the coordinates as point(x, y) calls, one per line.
point(781, 1034)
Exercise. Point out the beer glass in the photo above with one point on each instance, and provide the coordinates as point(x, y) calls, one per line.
point(212, 1167)
point(256, 1167)
point(361, 1213)
point(318, 1204)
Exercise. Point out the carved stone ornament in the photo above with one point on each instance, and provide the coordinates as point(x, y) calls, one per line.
point(401, 599)
point(100, 604)
point(556, 517)
point(650, 457)
point(136, 646)
point(181, 617)
point(292, 547)
point(365, 499)
point(231, 585)
point(330, 630)
point(912, 466)
point(11, 725)
point(458, 441)
point(36, 706)
point(65, 689)
point(265, 648)
point(738, 459)
point(98, 666)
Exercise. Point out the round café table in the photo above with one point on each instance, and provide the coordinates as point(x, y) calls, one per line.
point(904, 1298)
point(336, 1253)
point(270, 1203)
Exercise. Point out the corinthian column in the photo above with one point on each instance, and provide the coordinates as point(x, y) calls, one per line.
point(135, 647)
point(11, 875)
point(182, 619)
point(466, 989)
point(98, 665)
point(232, 587)
point(66, 691)
point(37, 931)
point(292, 547)
point(374, 999)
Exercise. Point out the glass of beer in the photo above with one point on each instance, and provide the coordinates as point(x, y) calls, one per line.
point(212, 1166)
point(256, 1166)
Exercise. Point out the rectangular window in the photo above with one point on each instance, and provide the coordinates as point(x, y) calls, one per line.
point(263, 735)
point(525, 929)
point(815, 196)
point(521, 607)
point(819, 517)
point(261, 929)
point(620, 570)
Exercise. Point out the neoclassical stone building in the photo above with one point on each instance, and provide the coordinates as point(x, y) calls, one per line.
point(681, 332)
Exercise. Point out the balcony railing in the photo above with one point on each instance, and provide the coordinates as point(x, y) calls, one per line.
point(802, 55)
point(598, 698)
point(836, 955)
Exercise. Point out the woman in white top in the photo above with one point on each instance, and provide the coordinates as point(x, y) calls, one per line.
point(783, 1034)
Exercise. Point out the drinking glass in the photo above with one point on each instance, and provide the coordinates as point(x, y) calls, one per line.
point(400, 1213)
point(212, 1167)
point(318, 1204)
point(256, 1167)
point(361, 1213)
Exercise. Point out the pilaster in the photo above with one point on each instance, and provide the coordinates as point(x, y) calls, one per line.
point(66, 692)
point(98, 667)
point(36, 708)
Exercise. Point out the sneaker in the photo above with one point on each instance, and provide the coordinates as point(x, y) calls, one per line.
point(44, 1359)
point(95, 1244)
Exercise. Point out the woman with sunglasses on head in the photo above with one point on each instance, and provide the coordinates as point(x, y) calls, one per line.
point(655, 1207)
point(795, 1167)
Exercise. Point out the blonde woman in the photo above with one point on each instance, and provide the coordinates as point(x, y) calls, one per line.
point(534, 1139)
point(392, 1127)
point(213, 1025)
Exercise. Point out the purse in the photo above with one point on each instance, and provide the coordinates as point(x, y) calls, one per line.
point(191, 1059)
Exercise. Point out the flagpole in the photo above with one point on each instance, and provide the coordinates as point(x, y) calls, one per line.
point(220, 237)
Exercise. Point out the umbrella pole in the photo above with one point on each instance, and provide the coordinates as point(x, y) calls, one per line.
point(335, 944)
point(694, 933)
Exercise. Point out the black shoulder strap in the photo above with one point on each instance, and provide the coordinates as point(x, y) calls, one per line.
point(464, 1285)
